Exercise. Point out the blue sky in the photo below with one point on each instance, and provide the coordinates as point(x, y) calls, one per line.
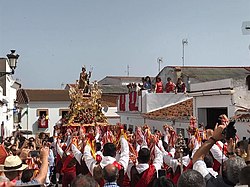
point(55, 38)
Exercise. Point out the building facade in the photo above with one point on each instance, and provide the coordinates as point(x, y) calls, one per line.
point(8, 108)
point(211, 91)
point(155, 109)
point(42, 109)
point(228, 96)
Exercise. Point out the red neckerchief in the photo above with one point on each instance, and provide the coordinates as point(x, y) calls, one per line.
point(117, 165)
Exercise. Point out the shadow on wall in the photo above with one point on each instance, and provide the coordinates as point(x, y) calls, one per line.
point(35, 128)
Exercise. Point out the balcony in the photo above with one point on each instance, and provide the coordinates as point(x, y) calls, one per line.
point(145, 102)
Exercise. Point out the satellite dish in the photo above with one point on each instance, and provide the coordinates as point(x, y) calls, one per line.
point(245, 28)
point(105, 108)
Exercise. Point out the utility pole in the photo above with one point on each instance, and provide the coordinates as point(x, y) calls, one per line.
point(128, 70)
point(159, 61)
point(184, 42)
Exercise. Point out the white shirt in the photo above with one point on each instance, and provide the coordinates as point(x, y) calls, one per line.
point(123, 159)
point(218, 153)
point(158, 161)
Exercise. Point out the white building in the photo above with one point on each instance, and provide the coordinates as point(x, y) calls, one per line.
point(210, 99)
point(226, 96)
point(8, 89)
point(53, 104)
point(155, 110)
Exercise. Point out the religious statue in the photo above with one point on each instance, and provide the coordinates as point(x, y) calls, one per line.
point(180, 146)
point(84, 80)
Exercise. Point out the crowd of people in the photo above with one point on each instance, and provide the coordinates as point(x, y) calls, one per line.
point(26, 160)
point(115, 156)
point(158, 87)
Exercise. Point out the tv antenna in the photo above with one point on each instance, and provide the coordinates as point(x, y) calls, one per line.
point(245, 28)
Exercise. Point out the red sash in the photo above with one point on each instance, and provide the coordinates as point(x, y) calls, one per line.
point(126, 181)
point(221, 148)
point(146, 177)
point(216, 166)
point(66, 162)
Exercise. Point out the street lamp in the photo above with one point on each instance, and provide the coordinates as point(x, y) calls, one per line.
point(12, 60)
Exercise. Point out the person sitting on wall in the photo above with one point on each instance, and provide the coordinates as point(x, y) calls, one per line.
point(147, 85)
point(180, 86)
point(170, 86)
point(158, 85)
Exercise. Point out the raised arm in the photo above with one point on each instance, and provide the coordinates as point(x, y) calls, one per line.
point(170, 161)
point(88, 158)
point(77, 154)
point(44, 154)
point(124, 157)
point(206, 146)
point(59, 150)
point(158, 161)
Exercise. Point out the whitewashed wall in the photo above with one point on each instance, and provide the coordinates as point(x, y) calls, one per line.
point(53, 108)
point(137, 120)
point(238, 96)
point(241, 128)
point(111, 114)
point(29, 121)
point(7, 109)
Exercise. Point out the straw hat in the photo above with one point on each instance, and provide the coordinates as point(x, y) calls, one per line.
point(13, 163)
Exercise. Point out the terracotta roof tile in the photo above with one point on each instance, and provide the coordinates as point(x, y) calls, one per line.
point(27, 95)
point(109, 100)
point(178, 111)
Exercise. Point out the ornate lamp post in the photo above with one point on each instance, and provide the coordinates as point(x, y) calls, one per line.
point(12, 60)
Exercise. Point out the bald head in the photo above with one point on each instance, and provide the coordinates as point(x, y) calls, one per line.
point(110, 173)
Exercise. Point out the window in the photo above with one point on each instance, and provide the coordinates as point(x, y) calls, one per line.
point(43, 118)
point(63, 112)
point(180, 130)
point(131, 128)
point(213, 115)
point(248, 82)
point(41, 112)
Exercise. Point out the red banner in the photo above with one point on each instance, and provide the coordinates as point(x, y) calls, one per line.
point(122, 102)
point(132, 101)
point(43, 122)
